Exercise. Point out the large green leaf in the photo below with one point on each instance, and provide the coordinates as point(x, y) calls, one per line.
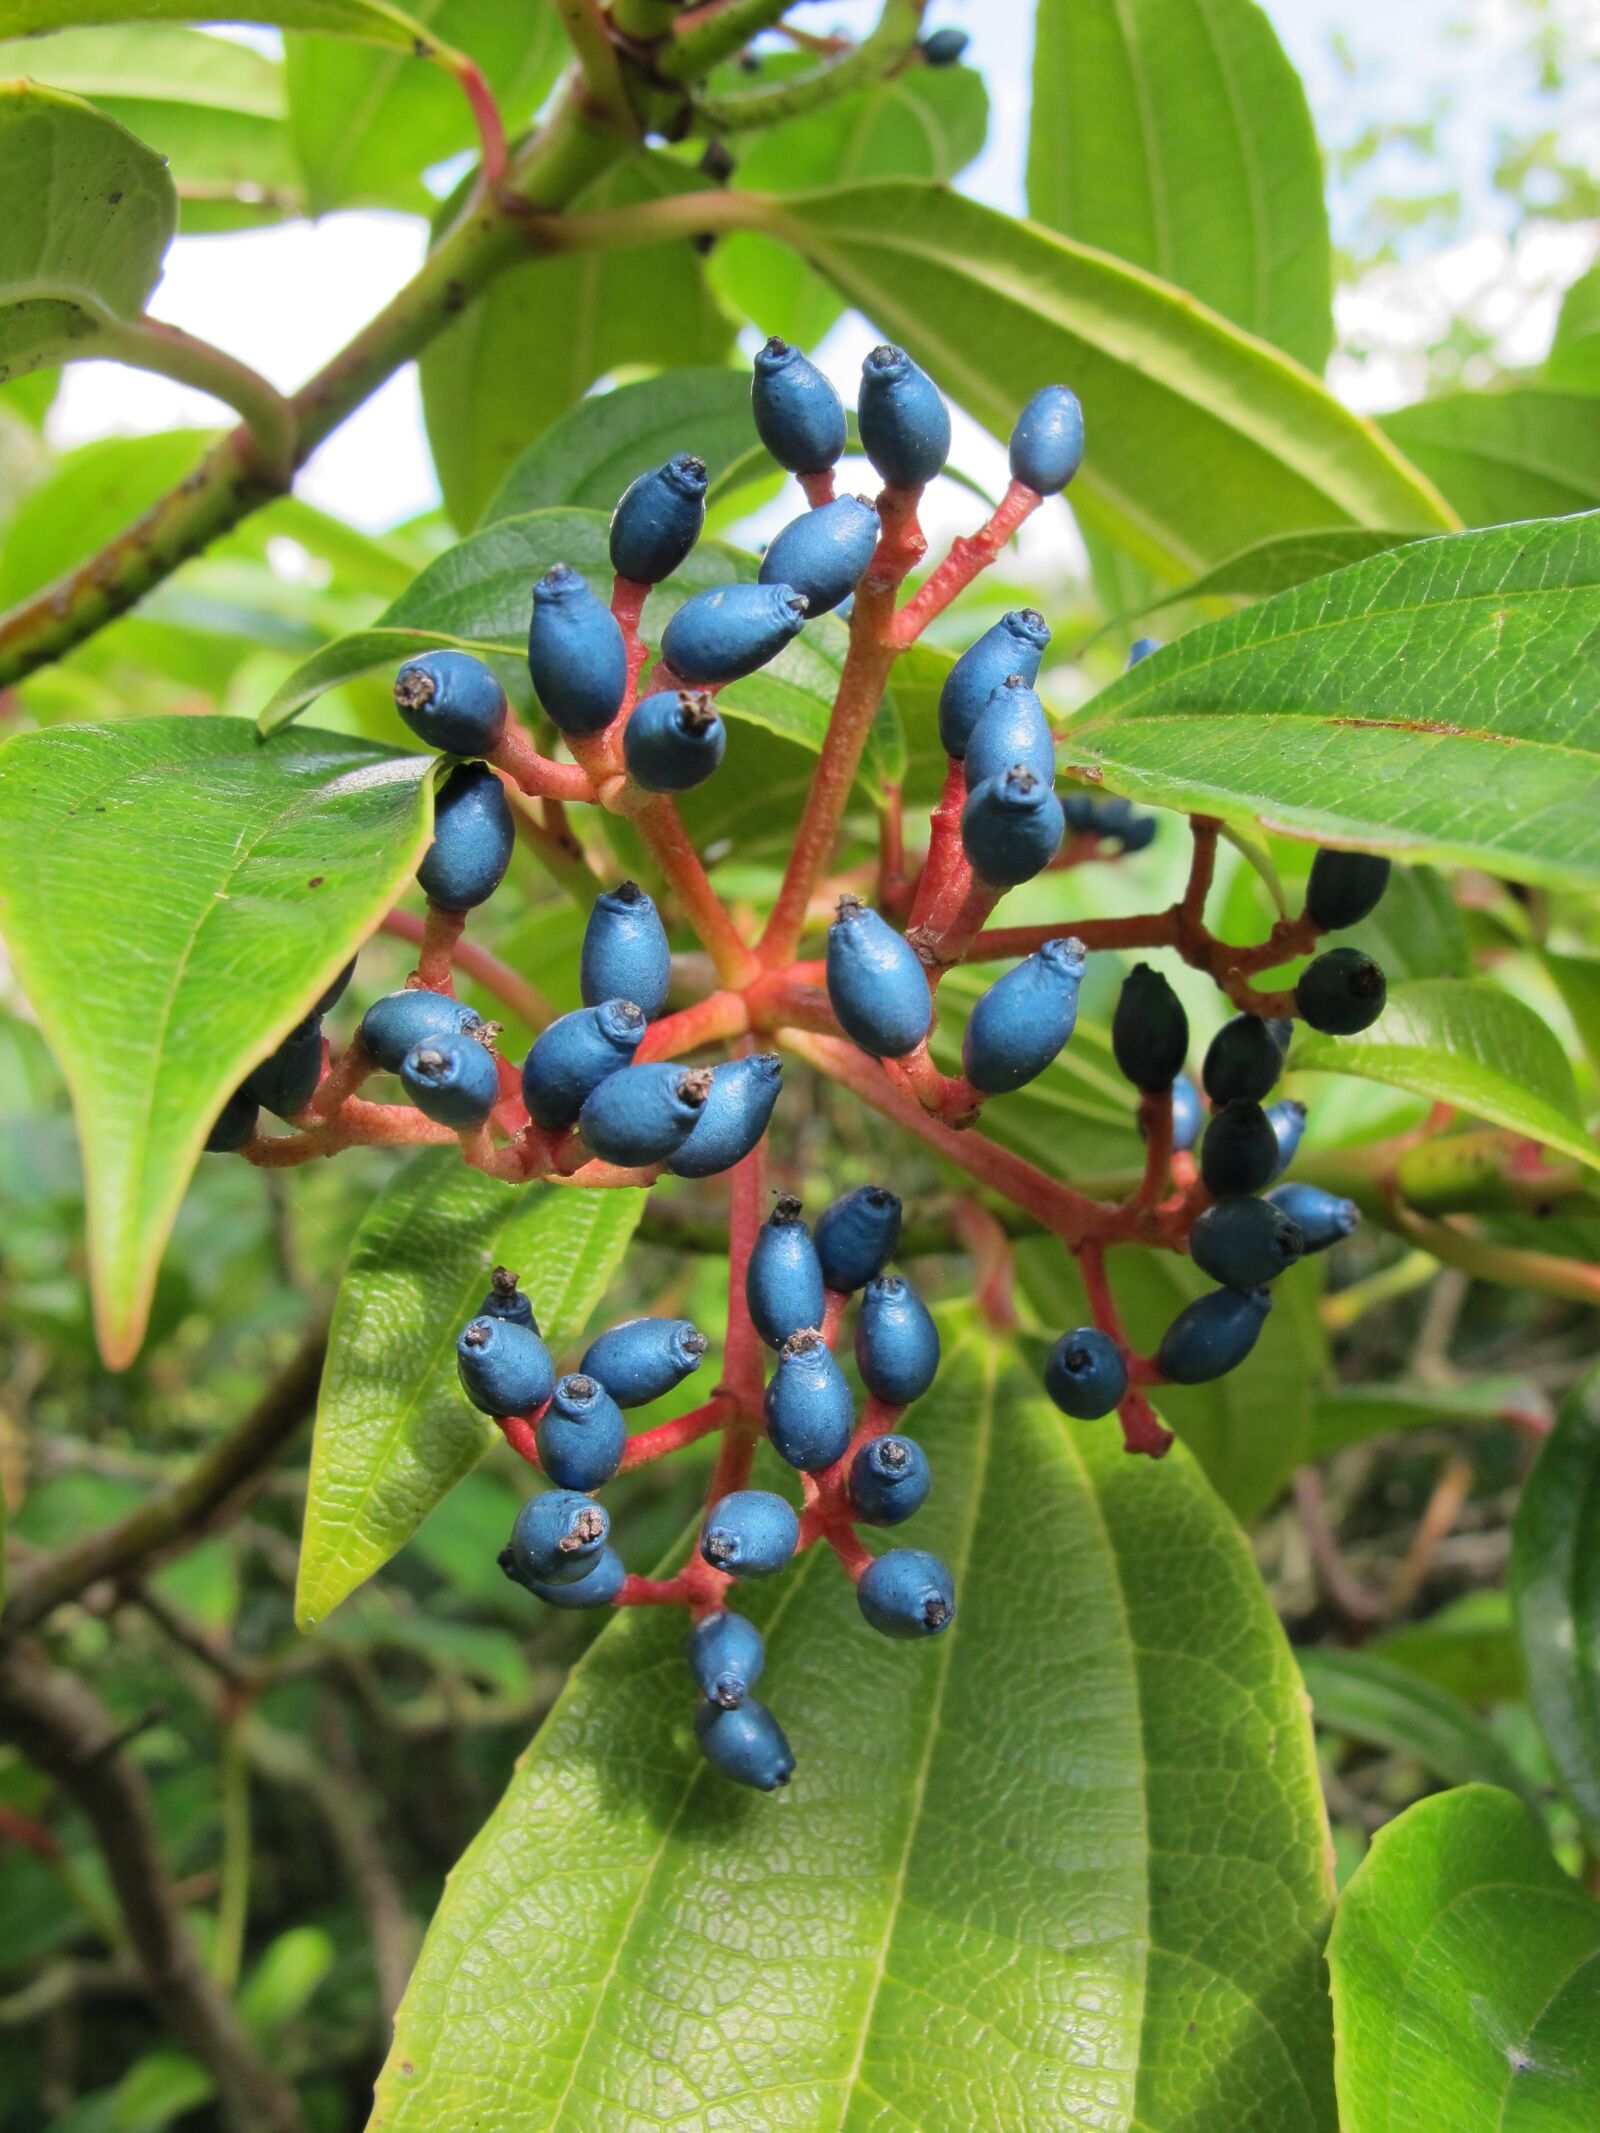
point(1375, 1701)
point(1434, 701)
point(1351, 1414)
point(1466, 1978)
point(89, 495)
point(394, 1432)
point(1175, 134)
point(1526, 453)
point(174, 895)
point(1021, 1880)
point(1555, 1590)
point(1468, 1044)
point(1272, 566)
point(1573, 363)
point(371, 21)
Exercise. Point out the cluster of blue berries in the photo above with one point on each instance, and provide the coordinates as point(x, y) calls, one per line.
point(285, 1081)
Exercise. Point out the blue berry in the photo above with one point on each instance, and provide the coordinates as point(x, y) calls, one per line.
point(597, 1589)
point(286, 1079)
point(1011, 828)
point(1245, 1243)
point(1138, 833)
point(506, 1300)
point(674, 740)
point(798, 415)
point(1240, 1150)
point(1321, 1218)
point(1340, 992)
point(400, 1021)
point(1212, 1336)
point(558, 1539)
point(1047, 443)
point(1011, 728)
point(1243, 1059)
point(1024, 1019)
point(907, 1593)
point(897, 1342)
point(810, 1414)
point(1149, 1030)
point(658, 520)
point(452, 1080)
point(336, 991)
point(783, 1278)
point(452, 701)
point(1188, 1113)
point(233, 1125)
point(856, 1237)
point(473, 838)
point(1345, 888)
point(1086, 1373)
point(625, 954)
point(505, 1369)
point(1013, 645)
point(877, 987)
point(750, 1533)
point(823, 553)
point(734, 1116)
point(1288, 1123)
point(726, 1657)
point(568, 1061)
point(581, 1436)
point(644, 1358)
point(576, 655)
point(905, 425)
point(943, 48)
point(640, 1114)
point(889, 1481)
point(745, 1744)
point(723, 635)
point(1141, 648)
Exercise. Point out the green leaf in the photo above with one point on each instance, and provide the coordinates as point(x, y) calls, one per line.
point(1467, 1647)
point(1577, 979)
point(1089, 1888)
point(394, 1432)
point(1372, 1700)
point(532, 345)
point(1525, 453)
point(1573, 363)
point(1201, 440)
point(1555, 1593)
point(1433, 702)
point(1176, 135)
point(89, 495)
point(1466, 1043)
point(209, 887)
point(371, 21)
point(1273, 566)
point(1466, 1977)
point(1418, 931)
point(1352, 1414)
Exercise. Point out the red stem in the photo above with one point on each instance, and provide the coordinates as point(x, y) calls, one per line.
point(441, 934)
point(673, 1436)
point(511, 989)
point(662, 829)
point(968, 556)
point(719, 1016)
point(537, 774)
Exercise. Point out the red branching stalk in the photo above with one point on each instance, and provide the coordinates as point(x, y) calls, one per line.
point(713, 1020)
point(662, 828)
point(818, 487)
point(944, 1096)
point(1142, 1428)
point(892, 886)
point(993, 1272)
point(672, 1436)
point(627, 604)
point(945, 855)
point(744, 1368)
point(508, 986)
point(538, 775)
point(441, 933)
point(1155, 1123)
point(968, 557)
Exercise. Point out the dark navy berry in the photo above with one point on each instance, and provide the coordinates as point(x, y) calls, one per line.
point(1011, 828)
point(723, 635)
point(824, 552)
point(1344, 888)
point(1288, 1123)
point(400, 1021)
point(1240, 1150)
point(1321, 1218)
point(1141, 648)
point(1149, 1030)
point(453, 702)
point(877, 987)
point(726, 1656)
point(783, 1279)
point(506, 1300)
point(745, 1744)
point(897, 1342)
point(943, 48)
point(673, 740)
point(452, 1080)
point(233, 1125)
point(1243, 1059)
point(336, 991)
point(570, 1059)
point(473, 838)
point(1340, 992)
point(1138, 833)
point(1011, 728)
point(750, 1533)
point(1023, 1020)
point(907, 1593)
point(856, 1237)
point(1013, 645)
point(558, 1538)
point(1188, 1113)
point(1245, 1243)
point(576, 655)
point(1086, 1373)
point(641, 1114)
point(581, 1436)
point(905, 425)
point(505, 1369)
point(658, 520)
point(625, 953)
point(810, 1414)
point(734, 1117)
point(798, 415)
point(644, 1358)
point(889, 1481)
point(597, 1589)
point(1212, 1336)
point(286, 1079)
point(1047, 443)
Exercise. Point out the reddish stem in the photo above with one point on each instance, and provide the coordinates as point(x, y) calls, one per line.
point(662, 829)
point(970, 555)
point(441, 934)
point(1142, 1428)
point(1155, 1122)
point(833, 1311)
point(518, 1431)
point(779, 999)
point(507, 985)
point(993, 1271)
point(627, 604)
point(673, 1436)
point(719, 1016)
point(744, 1369)
point(536, 774)
point(949, 1097)
point(485, 116)
point(818, 487)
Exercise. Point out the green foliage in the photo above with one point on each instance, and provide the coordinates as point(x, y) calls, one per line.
point(1523, 453)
